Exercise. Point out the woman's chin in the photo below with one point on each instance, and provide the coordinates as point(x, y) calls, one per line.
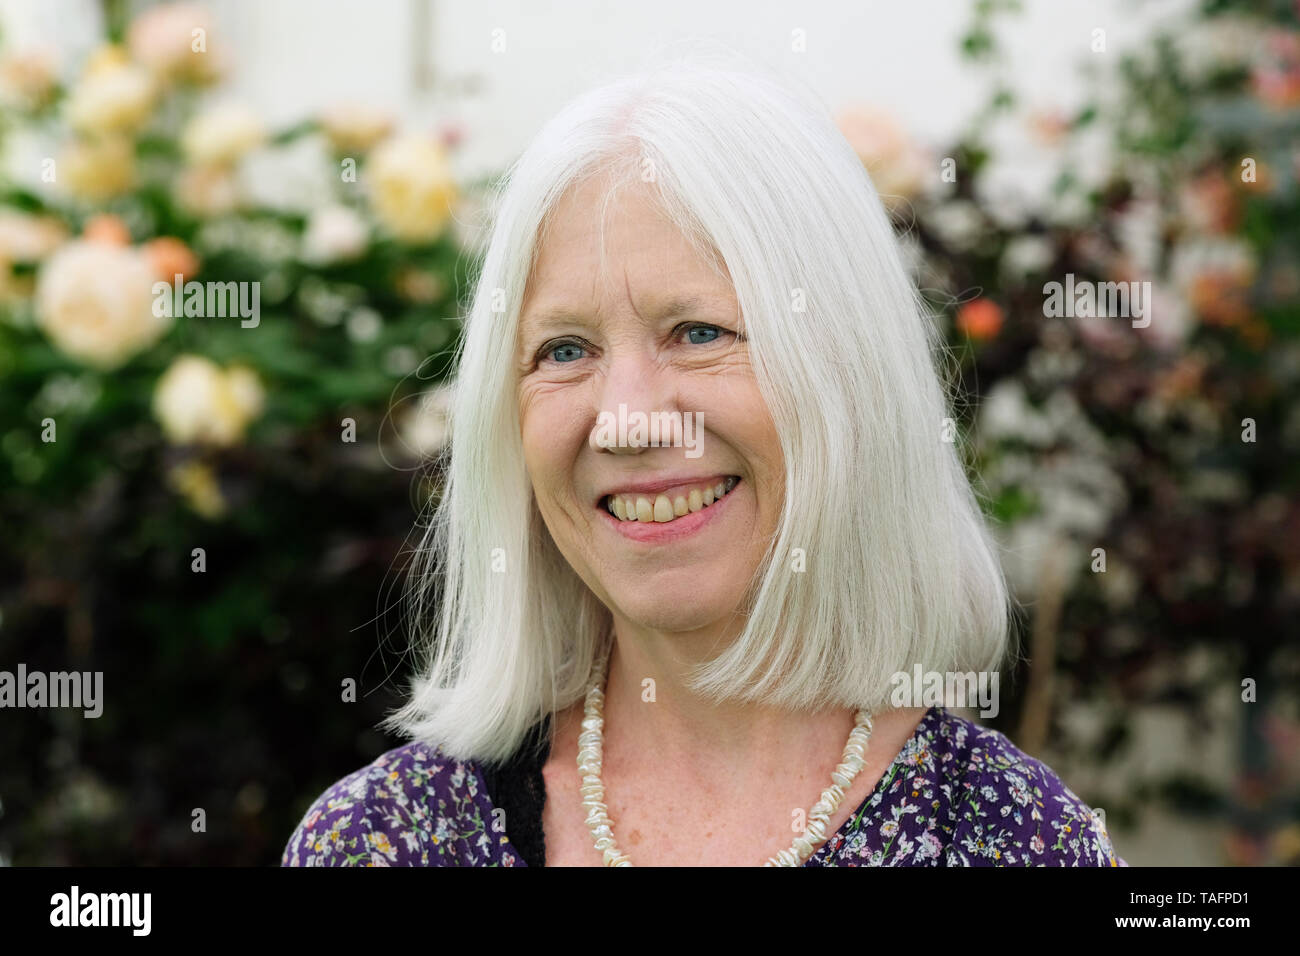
point(675, 609)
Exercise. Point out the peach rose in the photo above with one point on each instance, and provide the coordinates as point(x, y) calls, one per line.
point(108, 228)
point(168, 257)
point(898, 167)
point(95, 302)
point(171, 41)
point(355, 127)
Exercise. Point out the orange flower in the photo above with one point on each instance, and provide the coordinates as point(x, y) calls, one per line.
point(107, 228)
point(168, 256)
point(1221, 298)
point(980, 319)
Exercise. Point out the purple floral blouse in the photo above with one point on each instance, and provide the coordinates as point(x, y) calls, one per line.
point(957, 794)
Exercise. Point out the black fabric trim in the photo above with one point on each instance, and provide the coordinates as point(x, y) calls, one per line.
point(517, 787)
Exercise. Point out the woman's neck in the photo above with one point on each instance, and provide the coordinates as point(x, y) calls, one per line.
point(651, 715)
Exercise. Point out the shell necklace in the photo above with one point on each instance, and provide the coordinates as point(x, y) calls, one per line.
point(590, 751)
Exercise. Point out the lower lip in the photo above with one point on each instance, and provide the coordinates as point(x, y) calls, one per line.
point(662, 532)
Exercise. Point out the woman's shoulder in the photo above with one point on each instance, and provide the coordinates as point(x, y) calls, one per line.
point(410, 806)
point(1011, 809)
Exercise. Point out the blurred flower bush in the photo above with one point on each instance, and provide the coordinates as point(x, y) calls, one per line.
point(176, 432)
point(133, 432)
point(1144, 479)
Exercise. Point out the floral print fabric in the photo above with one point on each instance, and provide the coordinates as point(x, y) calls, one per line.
point(957, 794)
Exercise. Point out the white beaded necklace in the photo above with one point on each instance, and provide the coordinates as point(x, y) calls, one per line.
point(590, 756)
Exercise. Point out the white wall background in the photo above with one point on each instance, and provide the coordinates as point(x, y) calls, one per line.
point(290, 57)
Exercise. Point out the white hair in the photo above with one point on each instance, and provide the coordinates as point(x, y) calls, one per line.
point(900, 568)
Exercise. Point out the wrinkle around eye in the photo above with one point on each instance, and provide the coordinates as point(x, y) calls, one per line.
point(553, 376)
point(528, 393)
point(715, 356)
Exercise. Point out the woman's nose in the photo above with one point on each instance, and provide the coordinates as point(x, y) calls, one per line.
point(634, 389)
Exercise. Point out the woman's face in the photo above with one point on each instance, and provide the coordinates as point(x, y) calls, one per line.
point(630, 337)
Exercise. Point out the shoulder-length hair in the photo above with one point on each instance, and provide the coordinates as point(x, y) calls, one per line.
point(881, 560)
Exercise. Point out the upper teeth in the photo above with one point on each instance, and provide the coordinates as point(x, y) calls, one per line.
point(632, 507)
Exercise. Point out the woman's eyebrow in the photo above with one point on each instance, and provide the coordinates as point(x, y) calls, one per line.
point(680, 306)
point(716, 305)
point(540, 319)
point(537, 320)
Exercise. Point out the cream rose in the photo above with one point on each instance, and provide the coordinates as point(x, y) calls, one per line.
point(333, 234)
point(95, 302)
point(198, 401)
point(28, 238)
point(97, 169)
point(355, 128)
point(220, 136)
point(207, 191)
point(113, 96)
point(411, 187)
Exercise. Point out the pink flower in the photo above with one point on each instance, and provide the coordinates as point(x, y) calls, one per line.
point(1276, 79)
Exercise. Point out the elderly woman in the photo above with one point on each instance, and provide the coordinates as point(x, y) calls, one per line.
point(699, 517)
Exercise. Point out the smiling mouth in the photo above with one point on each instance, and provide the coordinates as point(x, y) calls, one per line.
point(666, 508)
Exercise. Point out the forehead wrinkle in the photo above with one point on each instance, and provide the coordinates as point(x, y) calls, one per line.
point(602, 280)
point(533, 317)
point(597, 218)
point(600, 210)
point(627, 290)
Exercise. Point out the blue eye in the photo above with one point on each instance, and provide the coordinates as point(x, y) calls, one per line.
point(569, 349)
point(711, 333)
